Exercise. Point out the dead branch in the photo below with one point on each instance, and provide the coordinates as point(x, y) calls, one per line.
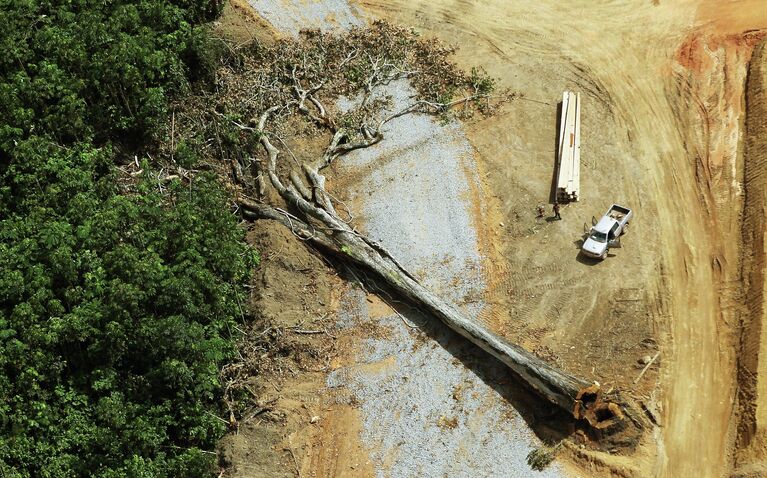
point(639, 377)
point(293, 88)
point(308, 332)
point(431, 107)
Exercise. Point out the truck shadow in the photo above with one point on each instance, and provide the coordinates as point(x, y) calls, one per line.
point(580, 256)
point(586, 260)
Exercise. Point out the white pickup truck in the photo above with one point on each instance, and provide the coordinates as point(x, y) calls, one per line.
point(605, 233)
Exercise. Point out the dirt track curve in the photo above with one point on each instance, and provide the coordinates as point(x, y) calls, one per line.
point(626, 55)
point(666, 91)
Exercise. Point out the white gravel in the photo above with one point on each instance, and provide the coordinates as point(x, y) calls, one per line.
point(290, 16)
point(417, 202)
point(430, 414)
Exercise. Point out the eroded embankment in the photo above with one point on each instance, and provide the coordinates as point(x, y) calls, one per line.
point(710, 76)
point(752, 373)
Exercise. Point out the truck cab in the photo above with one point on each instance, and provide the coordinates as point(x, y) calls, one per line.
point(605, 233)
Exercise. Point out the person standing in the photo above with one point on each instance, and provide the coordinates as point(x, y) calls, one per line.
point(541, 211)
point(556, 211)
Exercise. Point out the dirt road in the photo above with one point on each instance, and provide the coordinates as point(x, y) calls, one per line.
point(663, 84)
point(622, 55)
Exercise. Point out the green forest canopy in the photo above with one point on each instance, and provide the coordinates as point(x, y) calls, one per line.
point(117, 304)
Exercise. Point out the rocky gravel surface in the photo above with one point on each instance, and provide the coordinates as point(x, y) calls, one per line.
point(291, 16)
point(434, 406)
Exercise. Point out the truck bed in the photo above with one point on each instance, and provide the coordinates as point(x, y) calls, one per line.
point(619, 213)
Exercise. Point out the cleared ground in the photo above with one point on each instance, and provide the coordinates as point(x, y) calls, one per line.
point(660, 133)
point(664, 95)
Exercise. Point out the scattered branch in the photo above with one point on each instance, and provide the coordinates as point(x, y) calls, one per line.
point(639, 377)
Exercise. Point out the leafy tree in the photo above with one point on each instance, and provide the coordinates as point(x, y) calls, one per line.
point(77, 68)
point(116, 303)
point(115, 315)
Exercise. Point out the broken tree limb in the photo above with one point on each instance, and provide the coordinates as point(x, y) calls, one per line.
point(298, 183)
point(636, 380)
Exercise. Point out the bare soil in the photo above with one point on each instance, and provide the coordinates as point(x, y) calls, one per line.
point(673, 126)
point(291, 425)
point(664, 89)
point(238, 22)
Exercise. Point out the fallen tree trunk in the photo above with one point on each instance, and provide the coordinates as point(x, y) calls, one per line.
point(318, 223)
point(583, 400)
point(284, 87)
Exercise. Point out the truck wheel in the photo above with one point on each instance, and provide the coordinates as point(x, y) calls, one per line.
point(603, 256)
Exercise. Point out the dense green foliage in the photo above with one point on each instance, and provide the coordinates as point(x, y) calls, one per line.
point(114, 312)
point(116, 302)
point(76, 68)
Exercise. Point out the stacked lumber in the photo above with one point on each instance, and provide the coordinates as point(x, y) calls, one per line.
point(569, 153)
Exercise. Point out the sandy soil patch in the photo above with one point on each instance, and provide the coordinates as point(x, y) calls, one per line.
point(663, 85)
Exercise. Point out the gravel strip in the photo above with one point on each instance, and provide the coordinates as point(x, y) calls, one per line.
point(441, 410)
point(290, 16)
point(417, 202)
point(430, 415)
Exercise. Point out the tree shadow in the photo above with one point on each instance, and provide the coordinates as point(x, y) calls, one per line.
point(555, 169)
point(549, 422)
